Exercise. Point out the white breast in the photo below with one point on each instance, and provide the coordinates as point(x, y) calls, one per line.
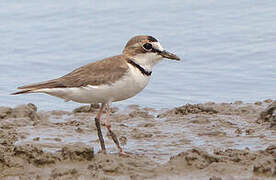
point(128, 86)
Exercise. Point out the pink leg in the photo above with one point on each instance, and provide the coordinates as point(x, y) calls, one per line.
point(108, 126)
point(98, 125)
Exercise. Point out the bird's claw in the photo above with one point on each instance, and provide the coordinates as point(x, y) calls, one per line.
point(124, 154)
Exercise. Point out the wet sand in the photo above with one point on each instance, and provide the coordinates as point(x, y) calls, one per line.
point(202, 141)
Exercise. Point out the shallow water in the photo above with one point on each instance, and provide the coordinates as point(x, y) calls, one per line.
point(156, 138)
point(227, 47)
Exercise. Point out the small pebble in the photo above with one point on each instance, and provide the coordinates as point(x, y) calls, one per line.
point(249, 131)
point(123, 140)
point(57, 139)
point(238, 131)
point(238, 102)
point(36, 139)
point(268, 101)
point(215, 178)
point(259, 103)
point(79, 130)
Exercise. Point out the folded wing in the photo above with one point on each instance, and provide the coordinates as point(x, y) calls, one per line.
point(106, 71)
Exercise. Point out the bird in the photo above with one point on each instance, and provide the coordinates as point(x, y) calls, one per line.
point(108, 80)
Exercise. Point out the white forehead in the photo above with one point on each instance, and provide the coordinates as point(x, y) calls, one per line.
point(158, 46)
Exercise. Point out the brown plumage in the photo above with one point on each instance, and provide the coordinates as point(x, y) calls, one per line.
point(106, 71)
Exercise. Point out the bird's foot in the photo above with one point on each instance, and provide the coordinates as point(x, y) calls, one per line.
point(124, 154)
point(103, 151)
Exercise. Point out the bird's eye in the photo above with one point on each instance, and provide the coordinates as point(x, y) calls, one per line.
point(147, 46)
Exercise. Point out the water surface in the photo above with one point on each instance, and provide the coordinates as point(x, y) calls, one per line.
point(227, 47)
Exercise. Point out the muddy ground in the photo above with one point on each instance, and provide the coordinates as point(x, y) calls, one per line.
point(202, 141)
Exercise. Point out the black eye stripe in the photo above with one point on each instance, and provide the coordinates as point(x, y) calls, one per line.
point(148, 47)
point(155, 50)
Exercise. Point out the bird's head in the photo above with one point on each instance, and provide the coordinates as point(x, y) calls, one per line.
point(146, 51)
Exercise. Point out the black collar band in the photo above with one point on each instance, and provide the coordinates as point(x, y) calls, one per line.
point(142, 70)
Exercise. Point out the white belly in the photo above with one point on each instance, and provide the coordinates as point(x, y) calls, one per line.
point(128, 86)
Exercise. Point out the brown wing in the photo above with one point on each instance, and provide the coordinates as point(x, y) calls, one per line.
point(106, 71)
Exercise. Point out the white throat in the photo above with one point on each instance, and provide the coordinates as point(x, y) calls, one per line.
point(147, 60)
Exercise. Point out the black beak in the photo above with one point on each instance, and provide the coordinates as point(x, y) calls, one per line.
point(169, 55)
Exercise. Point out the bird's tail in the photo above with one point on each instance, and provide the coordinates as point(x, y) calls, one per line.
point(22, 92)
point(37, 86)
